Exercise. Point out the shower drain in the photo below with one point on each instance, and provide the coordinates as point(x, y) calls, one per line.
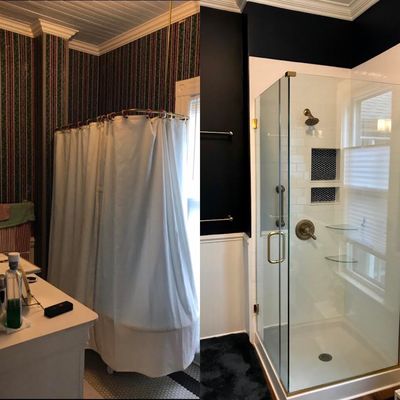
point(325, 357)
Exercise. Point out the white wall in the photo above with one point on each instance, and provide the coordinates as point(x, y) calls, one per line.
point(385, 67)
point(223, 284)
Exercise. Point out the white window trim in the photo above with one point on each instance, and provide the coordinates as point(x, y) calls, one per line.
point(184, 91)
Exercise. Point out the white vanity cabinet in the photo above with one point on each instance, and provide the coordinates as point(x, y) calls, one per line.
point(46, 360)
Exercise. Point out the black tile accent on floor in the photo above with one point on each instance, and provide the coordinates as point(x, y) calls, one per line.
point(186, 381)
point(230, 370)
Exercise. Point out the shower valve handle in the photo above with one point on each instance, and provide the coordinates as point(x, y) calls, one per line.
point(305, 230)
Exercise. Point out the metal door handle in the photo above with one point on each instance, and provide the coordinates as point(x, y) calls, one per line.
point(270, 235)
point(280, 222)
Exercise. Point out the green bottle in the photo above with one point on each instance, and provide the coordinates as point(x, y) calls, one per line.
point(14, 292)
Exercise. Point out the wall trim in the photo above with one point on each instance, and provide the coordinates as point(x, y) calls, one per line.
point(11, 25)
point(223, 334)
point(178, 13)
point(359, 6)
point(225, 5)
point(327, 8)
point(84, 47)
point(226, 237)
point(42, 26)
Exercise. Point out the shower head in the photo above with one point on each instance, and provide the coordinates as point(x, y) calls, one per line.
point(311, 120)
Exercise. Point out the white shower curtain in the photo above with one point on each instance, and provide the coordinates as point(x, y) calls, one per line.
point(144, 287)
point(74, 221)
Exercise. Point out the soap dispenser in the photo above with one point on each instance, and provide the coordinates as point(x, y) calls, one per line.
point(14, 292)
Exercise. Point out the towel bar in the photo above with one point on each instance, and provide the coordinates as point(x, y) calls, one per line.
point(228, 218)
point(228, 133)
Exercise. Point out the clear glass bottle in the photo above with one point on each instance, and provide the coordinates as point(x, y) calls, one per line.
point(14, 292)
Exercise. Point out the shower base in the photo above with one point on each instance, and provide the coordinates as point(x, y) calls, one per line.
point(351, 356)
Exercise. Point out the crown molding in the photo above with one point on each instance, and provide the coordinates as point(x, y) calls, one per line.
point(84, 47)
point(36, 28)
point(12, 25)
point(42, 26)
point(225, 5)
point(178, 13)
point(327, 8)
point(241, 4)
point(359, 6)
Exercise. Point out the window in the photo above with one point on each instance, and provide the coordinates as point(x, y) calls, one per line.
point(374, 119)
point(188, 103)
point(366, 168)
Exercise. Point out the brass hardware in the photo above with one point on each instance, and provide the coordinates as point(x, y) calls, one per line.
point(282, 259)
point(290, 74)
point(228, 218)
point(256, 308)
point(254, 123)
point(305, 230)
point(280, 222)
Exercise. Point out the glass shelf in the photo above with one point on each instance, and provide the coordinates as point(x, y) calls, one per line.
point(343, 227)
point(342, 259)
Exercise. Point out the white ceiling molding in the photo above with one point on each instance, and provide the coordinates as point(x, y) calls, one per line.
point(84, 47)
point(241, 4)
point(41, 26)
point(15, 26)
point(327, 9)
point(225, 5)
point(349, 10)
point(178, 14)
point(35, 29)
point(359, 6)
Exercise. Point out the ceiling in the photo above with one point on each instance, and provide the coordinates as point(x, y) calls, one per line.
point(96, 21)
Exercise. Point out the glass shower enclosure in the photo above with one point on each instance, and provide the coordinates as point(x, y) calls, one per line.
point(328, 229)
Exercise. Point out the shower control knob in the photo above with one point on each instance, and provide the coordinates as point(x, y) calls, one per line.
point(305, 230)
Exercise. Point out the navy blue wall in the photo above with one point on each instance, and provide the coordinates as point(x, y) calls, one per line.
point(227, 39)
point(376, 30)
point(225, 167)
point(296, 36)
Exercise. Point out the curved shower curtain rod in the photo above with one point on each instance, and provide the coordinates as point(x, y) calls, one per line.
point(124, 113)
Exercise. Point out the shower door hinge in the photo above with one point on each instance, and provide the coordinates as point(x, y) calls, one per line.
point(254, 123)
point(256, 308)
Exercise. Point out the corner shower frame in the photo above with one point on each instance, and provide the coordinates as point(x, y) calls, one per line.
point(346, 389)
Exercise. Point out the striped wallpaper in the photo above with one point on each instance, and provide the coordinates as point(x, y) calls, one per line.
point(133, 75)
point(44, 85)
point(17, 117)
point(83, 86)
point(52, 109)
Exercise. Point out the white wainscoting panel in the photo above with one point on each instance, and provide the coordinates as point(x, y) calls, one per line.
point(223, 282)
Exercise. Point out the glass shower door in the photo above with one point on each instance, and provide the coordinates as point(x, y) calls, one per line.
point(272, 109)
